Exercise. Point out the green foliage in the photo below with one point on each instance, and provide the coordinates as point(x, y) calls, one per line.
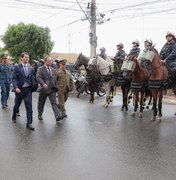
point(27, 38)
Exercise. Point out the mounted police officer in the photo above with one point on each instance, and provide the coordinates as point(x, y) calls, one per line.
point(147, 53)
point(168, 51)
point(134, 52)
point(103, 53)
point(5, 79)
point(119, 57)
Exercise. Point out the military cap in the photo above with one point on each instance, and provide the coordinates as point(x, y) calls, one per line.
point(62, 61)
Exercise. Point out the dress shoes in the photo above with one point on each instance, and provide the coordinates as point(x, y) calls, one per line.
point(30, 127)
point(59, 118)
point(40, 118)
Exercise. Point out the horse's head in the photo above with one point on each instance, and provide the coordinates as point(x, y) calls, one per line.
point(144, 63)
point(81, 60)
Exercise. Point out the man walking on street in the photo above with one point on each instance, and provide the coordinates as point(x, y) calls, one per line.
point(46, 77)
point(65, 85)
point(22, 83)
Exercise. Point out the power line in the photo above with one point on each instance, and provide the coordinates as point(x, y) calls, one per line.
point(83, 11)
point(66, 25)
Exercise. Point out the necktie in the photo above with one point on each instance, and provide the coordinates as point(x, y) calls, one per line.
point(25, 70)
point(49, 71)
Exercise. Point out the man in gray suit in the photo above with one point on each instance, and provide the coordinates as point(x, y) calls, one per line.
point(46, 77)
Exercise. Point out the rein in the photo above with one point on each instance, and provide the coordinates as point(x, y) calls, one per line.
point(157, 67)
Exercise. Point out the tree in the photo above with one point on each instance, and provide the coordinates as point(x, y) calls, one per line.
point(27, 38)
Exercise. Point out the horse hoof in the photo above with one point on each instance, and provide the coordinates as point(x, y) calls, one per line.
point(132, 114)
point(152, 119)
point(147, 107)
point(106, 105)
point(158, 119)
point(140, 115)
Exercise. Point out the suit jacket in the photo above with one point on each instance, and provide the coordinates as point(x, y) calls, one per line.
point(43, 77)
point(19, 78)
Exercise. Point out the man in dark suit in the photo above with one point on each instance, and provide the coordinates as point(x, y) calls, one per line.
point(22, 83)
point(46, 77)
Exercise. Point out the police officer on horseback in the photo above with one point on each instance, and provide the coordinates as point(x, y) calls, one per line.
point(119, 56)
point(168, 51)
point(103, 53)
point(134, 52)
point(146, 53)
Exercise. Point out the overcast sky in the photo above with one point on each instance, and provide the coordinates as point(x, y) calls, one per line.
point(130, 20)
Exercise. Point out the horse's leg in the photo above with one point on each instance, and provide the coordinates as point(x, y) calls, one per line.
point(160, 106)
point(141, 104)
point(135, 100)
point(154, 94)
point(92, 90)
point(108, 93)
point(112, 93)
point(123, 97)
point(127, 89)
point(150, 101)
point(130, 97)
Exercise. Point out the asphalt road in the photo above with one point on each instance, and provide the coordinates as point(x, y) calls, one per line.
point(93, 143)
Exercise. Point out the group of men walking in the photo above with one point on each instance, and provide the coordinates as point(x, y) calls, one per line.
point(50, 81)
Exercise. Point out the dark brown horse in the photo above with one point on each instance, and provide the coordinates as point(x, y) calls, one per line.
point(158, 81)
point(139, 85)
point(92, 77)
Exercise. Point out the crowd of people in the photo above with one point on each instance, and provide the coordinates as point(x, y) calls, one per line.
point(59, 80)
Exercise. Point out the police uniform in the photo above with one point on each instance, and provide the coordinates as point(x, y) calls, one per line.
point(134, 52)
point(103, 55)
point(5, 81)
point(168, 53)
point(118, 59)
point(65, 84)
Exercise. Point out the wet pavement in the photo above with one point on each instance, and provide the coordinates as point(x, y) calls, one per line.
point(93, 143)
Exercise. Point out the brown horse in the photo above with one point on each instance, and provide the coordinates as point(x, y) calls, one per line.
point(158, 81)
point(139, 84)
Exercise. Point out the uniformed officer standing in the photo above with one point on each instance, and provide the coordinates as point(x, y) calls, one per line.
point(5, 79)
point(168, 51)
point(65, 85)
point(134, 52)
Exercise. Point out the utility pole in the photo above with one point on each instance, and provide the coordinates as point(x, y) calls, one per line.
point(92, 34)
